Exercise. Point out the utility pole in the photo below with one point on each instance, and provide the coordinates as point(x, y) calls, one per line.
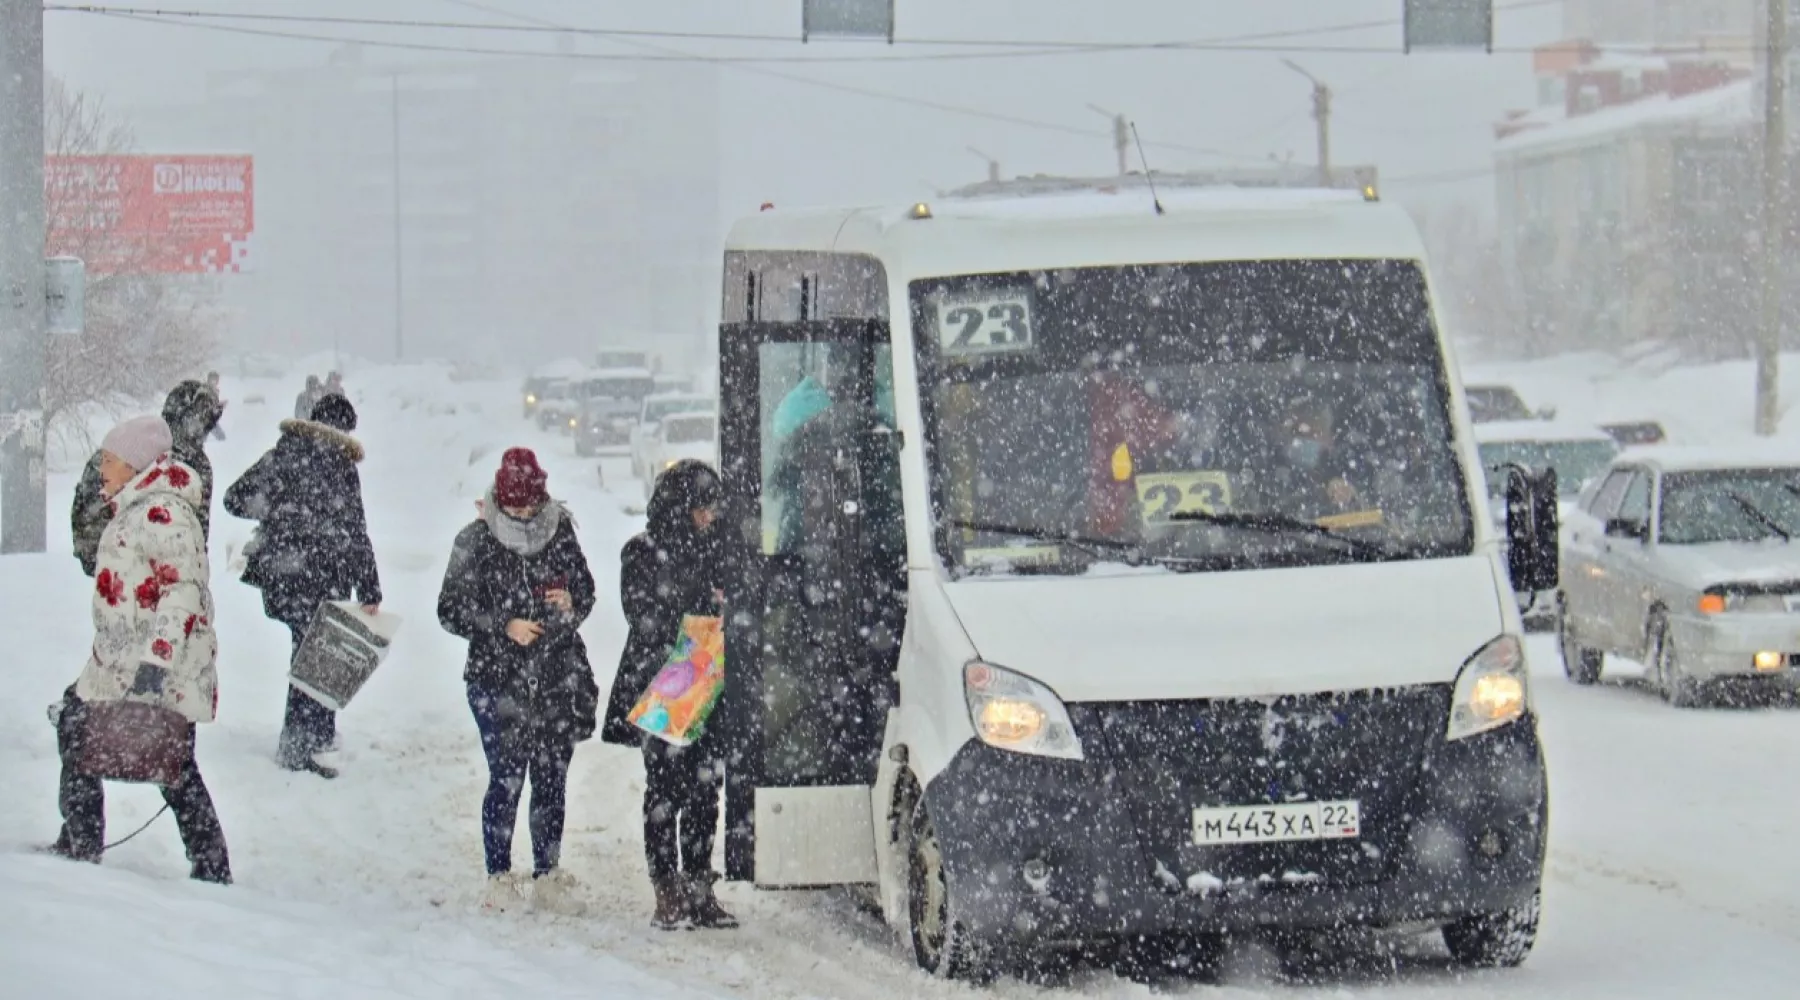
point(1774, 218)
point(399, 274)
point(1121, 137)
point(22, 300)
point(1321, 98)
point(992, 164)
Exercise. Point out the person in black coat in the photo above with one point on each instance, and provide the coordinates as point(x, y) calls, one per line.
point(313, 547)
point(673, 569)
point(192, 411)
point(518, 588)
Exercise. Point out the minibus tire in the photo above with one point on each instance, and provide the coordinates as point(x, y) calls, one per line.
point(1500, 940)
point(942, 944)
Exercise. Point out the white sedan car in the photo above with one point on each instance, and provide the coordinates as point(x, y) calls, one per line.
point(655, 408)
point(683, 435)
point(1688, 563)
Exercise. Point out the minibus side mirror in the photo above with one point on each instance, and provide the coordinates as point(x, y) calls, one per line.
point(1533, 557)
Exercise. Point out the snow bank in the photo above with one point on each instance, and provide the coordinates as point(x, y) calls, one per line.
point(1697, 405)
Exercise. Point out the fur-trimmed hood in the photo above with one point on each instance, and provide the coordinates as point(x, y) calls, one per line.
point(330, 435)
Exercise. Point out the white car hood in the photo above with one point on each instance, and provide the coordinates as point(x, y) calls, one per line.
point(1702, 566)
point(1237, 634)
point(706, 451)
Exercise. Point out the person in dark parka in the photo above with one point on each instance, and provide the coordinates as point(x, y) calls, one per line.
point(192, 411)
point(673, 569)
point(314, 547)
point(518, 588)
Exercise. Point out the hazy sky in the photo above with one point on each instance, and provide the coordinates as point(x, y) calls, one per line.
point(787, 142)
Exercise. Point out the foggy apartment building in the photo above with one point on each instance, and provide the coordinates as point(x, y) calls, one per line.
point(1658, 22)
point(546, 206)
point(1628, 204)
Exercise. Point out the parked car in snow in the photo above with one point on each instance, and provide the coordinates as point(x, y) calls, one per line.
point(679, 436)
point(1685, 561)
point(1577, 453)
point(655, 408)
point(1631, 433)
point(1489, 403)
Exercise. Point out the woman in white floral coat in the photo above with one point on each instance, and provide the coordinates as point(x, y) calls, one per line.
point(153, 638)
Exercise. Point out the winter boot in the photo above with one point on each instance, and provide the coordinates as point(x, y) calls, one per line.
point(305, 763)
point(62, 848)
point(206, 871)
point(703, 906)
point(504, 894)
point(671, 904)
point(556, 891)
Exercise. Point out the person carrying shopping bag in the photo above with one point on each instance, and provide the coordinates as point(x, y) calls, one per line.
point(669, 571)
point(312, 546)
point(151, 675)
point(518, 588)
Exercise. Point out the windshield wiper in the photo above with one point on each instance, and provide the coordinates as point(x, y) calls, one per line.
point(1280, 524)
point(1761, 518)
point(1092, 545)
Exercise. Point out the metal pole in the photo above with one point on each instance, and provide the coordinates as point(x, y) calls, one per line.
point(1121, 137)
point(1774, 219)
point(1322, 114)
point(399, 275)
point(1321, 97)
point(22, 302)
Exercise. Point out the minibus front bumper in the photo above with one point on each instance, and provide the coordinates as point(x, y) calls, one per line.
point(1045, 853)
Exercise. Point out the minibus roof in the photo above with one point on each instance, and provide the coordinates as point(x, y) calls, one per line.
point(1088, 228)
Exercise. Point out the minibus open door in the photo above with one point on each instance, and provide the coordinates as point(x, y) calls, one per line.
point(814, 606)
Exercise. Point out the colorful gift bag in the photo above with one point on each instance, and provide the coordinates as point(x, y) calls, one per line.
point(679, 700)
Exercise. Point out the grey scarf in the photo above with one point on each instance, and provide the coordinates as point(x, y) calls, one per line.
point(526, 538)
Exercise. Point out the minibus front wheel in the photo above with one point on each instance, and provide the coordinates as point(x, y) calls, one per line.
point(942, 943)
point(1495, 940)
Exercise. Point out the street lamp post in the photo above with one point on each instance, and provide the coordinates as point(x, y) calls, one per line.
point(993, 165)
point(1321, 96)
point(1121, 137)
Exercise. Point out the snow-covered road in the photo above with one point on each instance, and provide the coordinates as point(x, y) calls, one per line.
point(1673, 833)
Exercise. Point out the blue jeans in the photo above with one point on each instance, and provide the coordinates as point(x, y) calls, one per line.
point(515, 756)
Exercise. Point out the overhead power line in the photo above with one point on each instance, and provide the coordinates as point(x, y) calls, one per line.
point(639, 40)
point(1265, 42)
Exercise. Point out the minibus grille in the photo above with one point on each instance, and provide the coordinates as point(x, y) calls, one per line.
point(1169, 757)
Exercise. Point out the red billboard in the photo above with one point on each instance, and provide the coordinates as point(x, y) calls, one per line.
point(152, 214)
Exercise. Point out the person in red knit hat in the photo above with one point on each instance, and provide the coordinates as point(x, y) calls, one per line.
point(518, 588)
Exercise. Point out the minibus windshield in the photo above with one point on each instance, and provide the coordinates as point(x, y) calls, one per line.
point(1192, 416)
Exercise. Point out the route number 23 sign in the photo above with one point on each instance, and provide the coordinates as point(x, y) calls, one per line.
point(997, 321)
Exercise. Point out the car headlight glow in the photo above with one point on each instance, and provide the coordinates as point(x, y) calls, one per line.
point(1013, 712)
point(531, 397)
point(1492, 690)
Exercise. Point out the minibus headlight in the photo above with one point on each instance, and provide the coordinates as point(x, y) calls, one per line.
point(1013, 712)
point(1492, 690)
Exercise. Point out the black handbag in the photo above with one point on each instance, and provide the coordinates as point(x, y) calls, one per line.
point(133, 742)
